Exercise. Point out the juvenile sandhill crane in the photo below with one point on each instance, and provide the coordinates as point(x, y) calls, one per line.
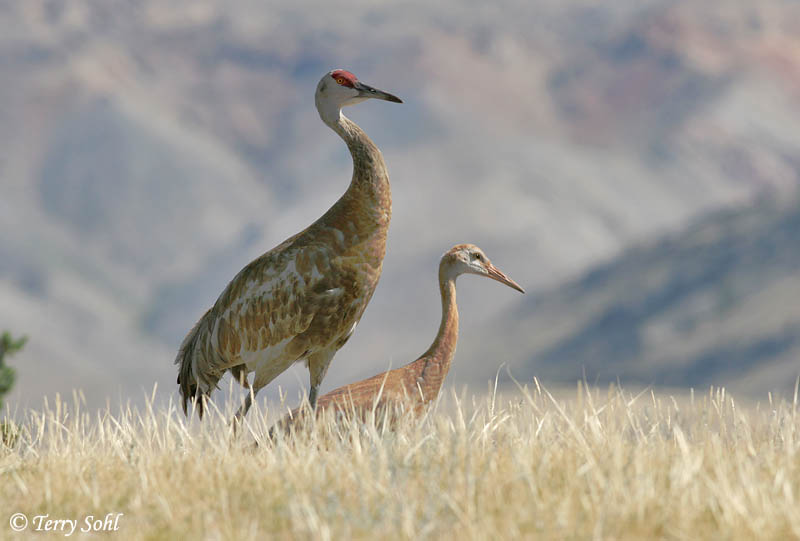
point(417, 383)
point(303, 299)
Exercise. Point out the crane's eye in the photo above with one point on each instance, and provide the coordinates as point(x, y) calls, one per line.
point(340, 80)
point(477, 256)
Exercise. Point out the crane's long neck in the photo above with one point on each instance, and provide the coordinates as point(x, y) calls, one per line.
point(370, 180)
point(436, 361)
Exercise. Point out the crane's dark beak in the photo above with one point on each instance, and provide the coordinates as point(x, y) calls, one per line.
point(496, 274)
point(366, 91)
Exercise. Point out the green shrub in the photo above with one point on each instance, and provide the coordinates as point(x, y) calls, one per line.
point(8, 346)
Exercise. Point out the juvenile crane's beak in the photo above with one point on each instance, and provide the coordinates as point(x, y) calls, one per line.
point(496, 274)
point(366, 91)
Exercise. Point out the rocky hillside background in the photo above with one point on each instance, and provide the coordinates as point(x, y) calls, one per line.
point(149, 149)
point(715, 304)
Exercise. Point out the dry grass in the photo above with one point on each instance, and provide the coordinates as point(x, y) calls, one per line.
point(598, 464)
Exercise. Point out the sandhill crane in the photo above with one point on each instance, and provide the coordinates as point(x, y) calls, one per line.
point(303, 299)
point(417, 383)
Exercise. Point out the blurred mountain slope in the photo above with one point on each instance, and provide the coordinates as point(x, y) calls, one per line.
point(715, 304)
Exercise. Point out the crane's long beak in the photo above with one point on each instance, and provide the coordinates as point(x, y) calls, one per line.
point(366, 91)
point(496, 274)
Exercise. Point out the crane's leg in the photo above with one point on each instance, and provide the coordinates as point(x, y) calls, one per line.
point(239, 374)
point(248, 401)
point(318, 364)
point(312, 396)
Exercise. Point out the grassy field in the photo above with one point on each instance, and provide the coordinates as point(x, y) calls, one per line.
point(586, 463)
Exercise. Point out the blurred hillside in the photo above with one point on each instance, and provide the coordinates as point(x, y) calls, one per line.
point(150, 149)
point(715, 304)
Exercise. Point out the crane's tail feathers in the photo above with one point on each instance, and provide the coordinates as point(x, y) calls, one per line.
point(190, 355)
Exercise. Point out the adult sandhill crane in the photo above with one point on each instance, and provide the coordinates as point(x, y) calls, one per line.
point(417, 383)
point(303, 299)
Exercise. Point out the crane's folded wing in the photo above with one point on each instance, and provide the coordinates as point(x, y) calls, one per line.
point(274, 299)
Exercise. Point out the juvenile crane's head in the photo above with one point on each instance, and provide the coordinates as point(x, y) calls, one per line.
point(340, 88)
point(469, 259)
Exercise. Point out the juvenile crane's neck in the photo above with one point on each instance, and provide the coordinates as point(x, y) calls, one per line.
point(436, 361)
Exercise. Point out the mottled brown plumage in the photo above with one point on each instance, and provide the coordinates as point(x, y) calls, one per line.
point(302, 299)
point(417, 383)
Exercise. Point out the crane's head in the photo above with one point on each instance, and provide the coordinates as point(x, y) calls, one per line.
point(469, 259)
point(340, 88)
